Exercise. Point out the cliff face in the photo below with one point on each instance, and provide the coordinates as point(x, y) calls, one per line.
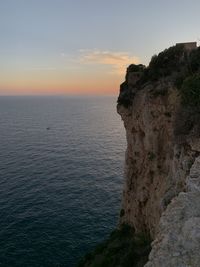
point(162, 167)
point(160, 108)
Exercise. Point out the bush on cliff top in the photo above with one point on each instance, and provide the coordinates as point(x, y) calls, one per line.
point(183, 66)
point(136, 68)
point(165, 63)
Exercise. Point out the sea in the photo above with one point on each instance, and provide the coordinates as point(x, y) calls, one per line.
point(61, 177)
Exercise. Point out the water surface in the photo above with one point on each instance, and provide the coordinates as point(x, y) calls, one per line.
point(61, 168)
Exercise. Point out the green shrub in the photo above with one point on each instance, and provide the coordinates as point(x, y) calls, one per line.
point(125, 101)
point(194, 60)
point(125, 96)
point(165, 63)
point(190, 91)
point(136, 68)
point(151, 156)
point(179, 81)
point(123, 248)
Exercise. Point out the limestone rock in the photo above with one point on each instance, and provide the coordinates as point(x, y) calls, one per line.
point(177, 242)
point(161, 193)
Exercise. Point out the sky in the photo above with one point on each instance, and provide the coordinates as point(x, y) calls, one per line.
point(82, 47)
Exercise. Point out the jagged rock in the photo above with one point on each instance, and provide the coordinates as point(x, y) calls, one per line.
point(162, 173)
point(177, 241)
point(161, 196)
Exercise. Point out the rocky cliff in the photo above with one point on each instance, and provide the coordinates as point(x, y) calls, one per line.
point(160, 108)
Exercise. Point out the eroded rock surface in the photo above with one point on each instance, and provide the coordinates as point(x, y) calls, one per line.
point(157, 162)
point(177, 242)
point(162, 171)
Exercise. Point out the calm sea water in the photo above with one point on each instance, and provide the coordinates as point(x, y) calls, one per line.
point(61, 168)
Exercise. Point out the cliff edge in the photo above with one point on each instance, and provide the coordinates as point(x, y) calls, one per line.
point(160, 108)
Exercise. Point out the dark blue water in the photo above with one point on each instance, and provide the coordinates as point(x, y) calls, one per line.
point(61, 165)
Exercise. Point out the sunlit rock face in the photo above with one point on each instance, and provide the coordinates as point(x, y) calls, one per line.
point(161, 194)
point(177, 242)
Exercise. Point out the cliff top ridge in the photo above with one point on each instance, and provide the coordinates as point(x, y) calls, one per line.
point(179, 64)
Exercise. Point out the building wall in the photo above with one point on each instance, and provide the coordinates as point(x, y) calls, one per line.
point(189, 46)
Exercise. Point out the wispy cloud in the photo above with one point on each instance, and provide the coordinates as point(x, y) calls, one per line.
point(63, 55)
point(118, 61)
point(42, 68)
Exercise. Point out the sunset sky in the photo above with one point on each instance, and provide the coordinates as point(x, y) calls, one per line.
point(84, 46)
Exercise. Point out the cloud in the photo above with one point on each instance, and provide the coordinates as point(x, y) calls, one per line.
point(63, 54)
point(42, 68)
point(118, 61)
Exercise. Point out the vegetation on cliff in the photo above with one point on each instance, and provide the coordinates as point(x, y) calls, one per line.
point(123, 249)
point(190, 90)
point(176, 64)
point(164, 64)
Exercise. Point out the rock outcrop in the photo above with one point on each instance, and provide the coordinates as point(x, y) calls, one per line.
point(160, 108)
point(161, 194)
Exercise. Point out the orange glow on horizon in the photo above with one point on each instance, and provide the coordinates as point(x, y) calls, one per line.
point(59, 83)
